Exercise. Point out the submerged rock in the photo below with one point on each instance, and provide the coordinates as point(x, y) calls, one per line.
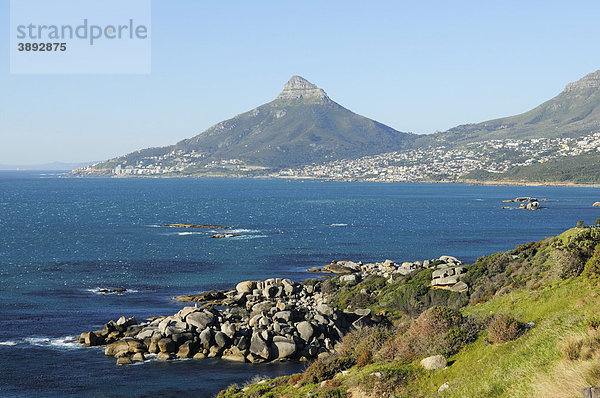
point(220, 236)
point(198, 226)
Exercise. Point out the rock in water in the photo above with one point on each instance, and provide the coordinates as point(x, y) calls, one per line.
point(124, 361)
point(220, 236)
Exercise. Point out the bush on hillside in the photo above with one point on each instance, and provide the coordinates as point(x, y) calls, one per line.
point(439, 330)
point(592, 266)
point(504, 328)
point(325, 369)
point(574, 251)
point(362, 344)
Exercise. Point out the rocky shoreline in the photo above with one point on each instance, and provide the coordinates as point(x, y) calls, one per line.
point(259, 321)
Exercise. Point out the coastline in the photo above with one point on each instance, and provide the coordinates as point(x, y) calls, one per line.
point(325, 179)
point(264, 321)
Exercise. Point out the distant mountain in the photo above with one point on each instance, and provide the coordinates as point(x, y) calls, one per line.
point(303, 133)
point(572, 113)
point(301, 126)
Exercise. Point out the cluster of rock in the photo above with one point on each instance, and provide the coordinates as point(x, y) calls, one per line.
point(354, 271)
point(195, 226)
point(267, 320)
point(521, 199)
point(447, 274)
point(530, 206)
point(525, 203)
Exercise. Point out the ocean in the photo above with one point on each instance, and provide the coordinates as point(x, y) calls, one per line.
point(63, 239)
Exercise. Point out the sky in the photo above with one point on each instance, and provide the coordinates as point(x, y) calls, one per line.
point(418, 67)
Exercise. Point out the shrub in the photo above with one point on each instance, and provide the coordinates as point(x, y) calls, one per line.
point(295, 379)
point(364, 340)
point(594, 323)
point(592, 266)
point(569, 264)
point(231, 391)
point(364, 359)
point(439, 330)
point(504, 328)
point(325, 369)
point(572, 349)
point(413, 295)
point(330, 393)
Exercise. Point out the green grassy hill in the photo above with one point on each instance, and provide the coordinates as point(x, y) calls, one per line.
point(572, 113)
point(529, 326)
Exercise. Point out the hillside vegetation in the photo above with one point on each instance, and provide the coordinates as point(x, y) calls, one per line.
point(583, 169)
point(529, 326)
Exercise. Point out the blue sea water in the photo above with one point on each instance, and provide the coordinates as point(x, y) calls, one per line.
point(63, 238)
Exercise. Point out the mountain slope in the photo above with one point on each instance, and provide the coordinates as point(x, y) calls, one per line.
point(301, 126)
point(572, 113)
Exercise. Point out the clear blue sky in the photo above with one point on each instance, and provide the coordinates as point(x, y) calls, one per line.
point(415, 66)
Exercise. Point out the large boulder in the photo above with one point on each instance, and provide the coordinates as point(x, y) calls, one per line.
point(147, 332)
point(185, 350)
point(336, 268)
point(324, 309)
point(205, 338)
point(460, 287)
point(171, 325)
point(245, 287)
point(284, 316)
point(185, 311)
point(450, 260)
point(114, 349)
point(166, 345)
point(259, 347)
point(283, 347)
point(221, 339)
point(306, 330)
point(92, 339)
point(434, 362)
point(200, 319)
point(352, 278)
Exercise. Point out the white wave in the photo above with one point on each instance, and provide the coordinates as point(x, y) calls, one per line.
point(244, 237)
point(66, 342)
point(186, 233)
point(8, 343)
point(241, 231)
point(338, 225)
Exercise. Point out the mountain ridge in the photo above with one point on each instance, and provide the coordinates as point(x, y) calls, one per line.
point(574, 111)
point(302, 125)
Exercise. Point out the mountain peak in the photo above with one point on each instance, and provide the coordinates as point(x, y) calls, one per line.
point(590, 81)
point(298, 87)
